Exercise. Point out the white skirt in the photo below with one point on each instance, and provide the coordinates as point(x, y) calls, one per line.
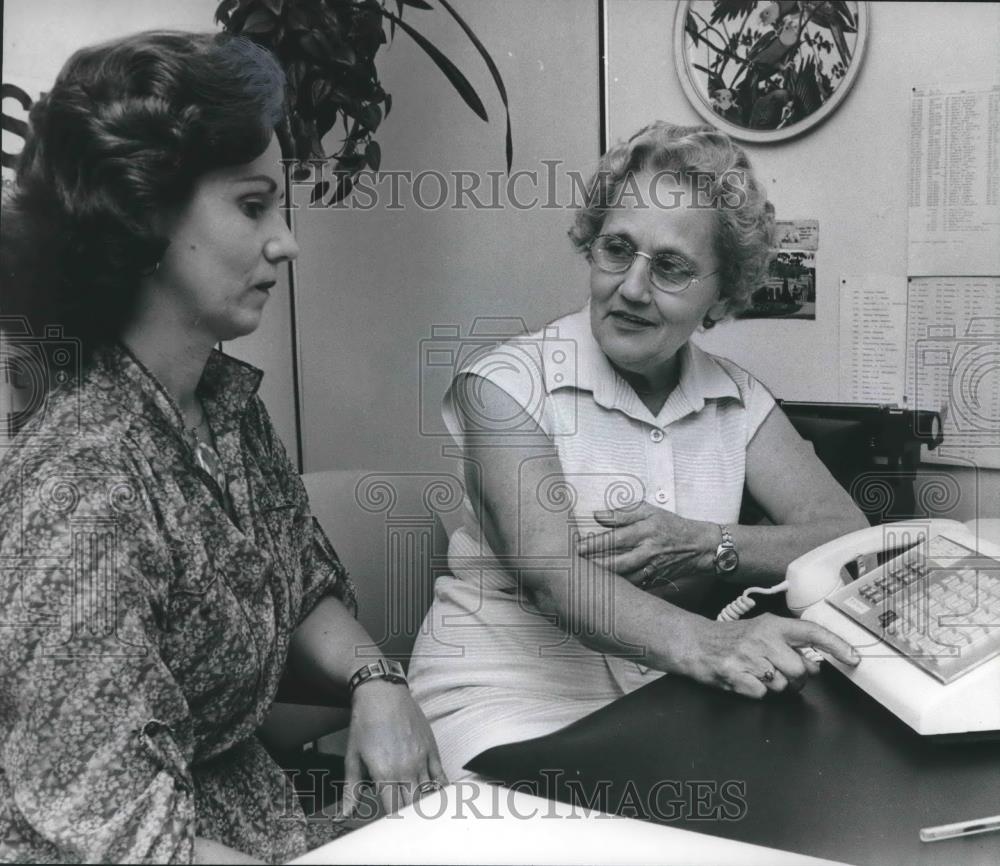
point(488, 668)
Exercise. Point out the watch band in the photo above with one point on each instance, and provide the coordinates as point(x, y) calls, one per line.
point(727, 560)
point(381, 669)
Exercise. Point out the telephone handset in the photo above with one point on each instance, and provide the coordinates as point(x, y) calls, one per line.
point(926, 621)
point(814, 575)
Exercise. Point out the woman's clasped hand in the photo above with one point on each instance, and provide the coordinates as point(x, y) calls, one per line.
point(657, 550)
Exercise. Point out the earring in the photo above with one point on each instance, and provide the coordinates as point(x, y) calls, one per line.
point(709, 322)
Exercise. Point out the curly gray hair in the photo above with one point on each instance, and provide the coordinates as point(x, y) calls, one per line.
point(723, 178)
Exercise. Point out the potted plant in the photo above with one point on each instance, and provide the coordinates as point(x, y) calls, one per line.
point(328, 50)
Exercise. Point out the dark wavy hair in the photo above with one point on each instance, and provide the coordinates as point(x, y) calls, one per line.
point(126, 131)
point(725, 178)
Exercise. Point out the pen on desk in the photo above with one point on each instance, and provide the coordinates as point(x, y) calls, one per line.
point(962, 828)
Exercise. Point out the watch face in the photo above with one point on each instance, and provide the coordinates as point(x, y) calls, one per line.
point(727, 560)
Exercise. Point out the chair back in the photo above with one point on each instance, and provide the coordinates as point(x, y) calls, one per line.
point(386, 528)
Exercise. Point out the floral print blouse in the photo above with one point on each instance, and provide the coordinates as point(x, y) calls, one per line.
point(145, 618)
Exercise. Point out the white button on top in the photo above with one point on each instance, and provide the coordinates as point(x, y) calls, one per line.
point(656, 435)
point(661, 496)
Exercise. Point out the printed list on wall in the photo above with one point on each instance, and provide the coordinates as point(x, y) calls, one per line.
point(954, 182)
point(931, 340)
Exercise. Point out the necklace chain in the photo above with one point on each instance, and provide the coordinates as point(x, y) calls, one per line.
point(205, 454)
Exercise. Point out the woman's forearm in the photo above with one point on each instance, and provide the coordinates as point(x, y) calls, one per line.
point(608, 614)
point(766, 551)
point(324, 650)
point(804, 502)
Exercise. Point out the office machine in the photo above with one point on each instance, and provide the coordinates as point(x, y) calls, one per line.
point(920, 601)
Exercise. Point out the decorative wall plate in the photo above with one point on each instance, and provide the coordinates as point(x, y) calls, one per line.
point(768, 70)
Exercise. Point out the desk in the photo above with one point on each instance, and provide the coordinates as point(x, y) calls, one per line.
point(473, 822)
point(829, 772)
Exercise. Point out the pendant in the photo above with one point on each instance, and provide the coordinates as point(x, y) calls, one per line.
point(207, 459)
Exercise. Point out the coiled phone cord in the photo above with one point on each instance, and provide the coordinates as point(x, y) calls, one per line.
point(743, 604)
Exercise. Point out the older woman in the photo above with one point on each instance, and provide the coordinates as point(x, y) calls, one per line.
point(606, 459)
point(160, 567)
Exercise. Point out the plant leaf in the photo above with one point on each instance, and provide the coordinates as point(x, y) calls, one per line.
point(259, 22)
point(342, 52)
point(691, 28)
point(392, 24)
point(326, 47)
point(320, 91)
point(841, 9)
point(494, 72)
point(297, 19)
point(223, 11)
point(727, 10)
point(296, 72)
point(373, 155)
point(319, 191)
point(371, 116)
point(450, 70)
point(343, 190)
point(357, 133)
point(715, 81)
point(416, 4)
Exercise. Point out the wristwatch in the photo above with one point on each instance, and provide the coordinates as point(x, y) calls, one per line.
point(382, 669)
point(726, 558)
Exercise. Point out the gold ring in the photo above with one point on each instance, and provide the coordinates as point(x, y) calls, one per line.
point(429, 786)
point(767, 676)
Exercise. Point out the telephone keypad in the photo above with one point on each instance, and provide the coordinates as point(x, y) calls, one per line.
point(938, 604)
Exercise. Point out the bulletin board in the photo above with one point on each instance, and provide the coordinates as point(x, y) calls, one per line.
point(851, 176)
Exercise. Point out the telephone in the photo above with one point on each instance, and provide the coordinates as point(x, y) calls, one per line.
point(926, 621)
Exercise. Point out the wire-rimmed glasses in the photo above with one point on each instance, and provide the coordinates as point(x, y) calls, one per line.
point(669, 273)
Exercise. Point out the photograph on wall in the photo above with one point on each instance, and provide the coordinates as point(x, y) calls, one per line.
point(789, 290)
point(796, 234)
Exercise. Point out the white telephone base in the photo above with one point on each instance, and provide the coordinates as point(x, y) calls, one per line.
point(970, 703)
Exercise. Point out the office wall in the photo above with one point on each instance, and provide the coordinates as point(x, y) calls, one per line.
point(373, 284)
point(37, 39)
point(850, 174)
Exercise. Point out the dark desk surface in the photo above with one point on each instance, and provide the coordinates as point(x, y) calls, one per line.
point(829, 772)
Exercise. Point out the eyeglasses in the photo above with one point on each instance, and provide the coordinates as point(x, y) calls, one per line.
point(613, 254)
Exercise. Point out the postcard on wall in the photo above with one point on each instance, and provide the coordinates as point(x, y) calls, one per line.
point(789, 290)
point(796, 235)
